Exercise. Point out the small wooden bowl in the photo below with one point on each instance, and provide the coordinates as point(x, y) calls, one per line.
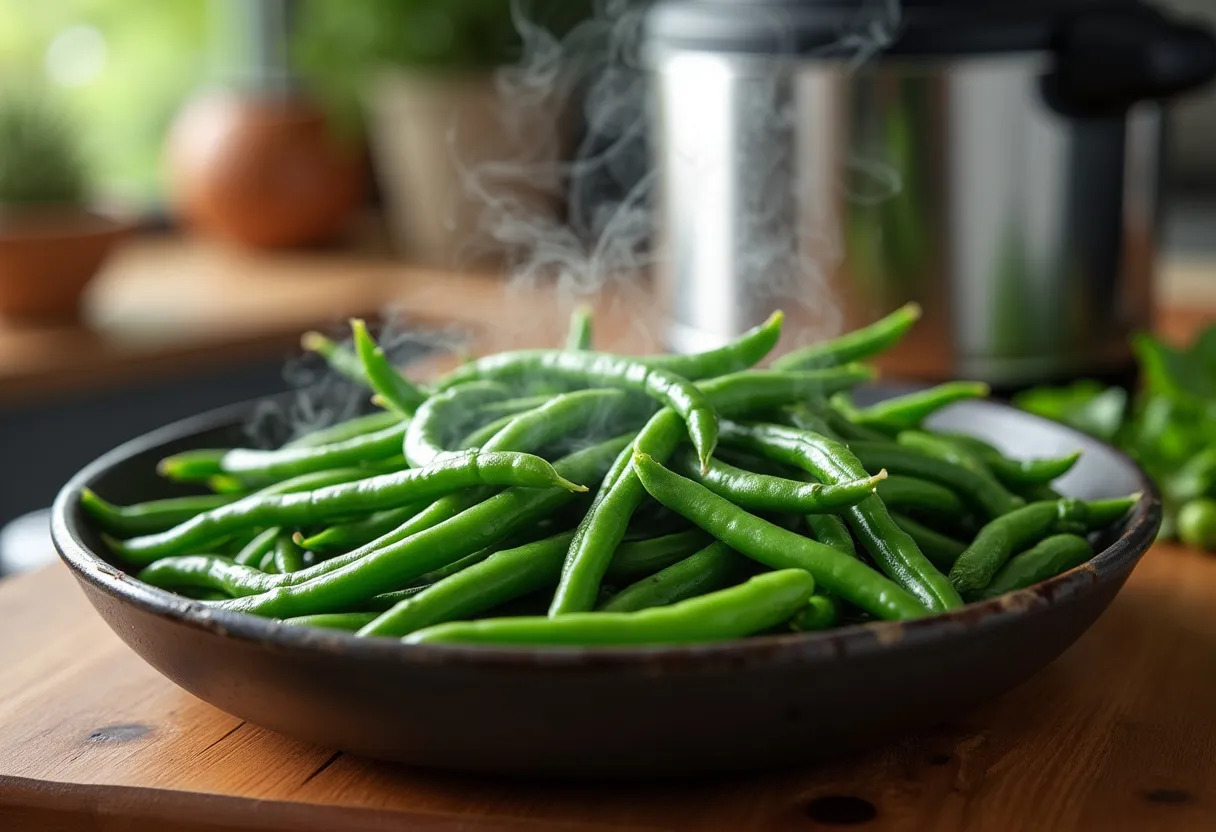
point(48, 256)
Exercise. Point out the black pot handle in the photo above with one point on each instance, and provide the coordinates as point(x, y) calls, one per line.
point(1107, 61)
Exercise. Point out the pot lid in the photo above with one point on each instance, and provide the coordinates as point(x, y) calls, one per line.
point(844, 28)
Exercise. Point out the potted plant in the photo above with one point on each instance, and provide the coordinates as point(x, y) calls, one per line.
point(253, 160)
point(422, 76)
point(52, 240)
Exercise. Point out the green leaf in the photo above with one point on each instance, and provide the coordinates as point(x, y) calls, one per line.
point(1086, 405)
point(1187, 376)
point(40, 159)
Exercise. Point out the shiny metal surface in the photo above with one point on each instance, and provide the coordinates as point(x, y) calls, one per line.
point(839, 194)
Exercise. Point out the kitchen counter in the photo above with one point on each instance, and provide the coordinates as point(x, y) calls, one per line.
point(166, 306)
point(1118, 733)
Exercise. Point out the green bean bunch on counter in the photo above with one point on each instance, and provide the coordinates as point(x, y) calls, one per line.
point(568, 497)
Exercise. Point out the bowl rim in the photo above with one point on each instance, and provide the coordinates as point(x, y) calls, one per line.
point(56, 222)
point(775, 649)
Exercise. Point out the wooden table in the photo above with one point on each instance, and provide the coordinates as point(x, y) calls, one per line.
point(1119, 733)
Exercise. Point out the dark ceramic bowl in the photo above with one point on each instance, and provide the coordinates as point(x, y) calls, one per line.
point(607, 713)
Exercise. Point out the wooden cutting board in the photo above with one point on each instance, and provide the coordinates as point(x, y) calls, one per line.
point(1119, 733)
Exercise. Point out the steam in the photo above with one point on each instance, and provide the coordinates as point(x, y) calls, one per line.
point(607, 181)
point(594, 75)
point(870, 31)
point(321, 397)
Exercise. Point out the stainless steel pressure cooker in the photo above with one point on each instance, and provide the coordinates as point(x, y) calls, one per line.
point(995, 161)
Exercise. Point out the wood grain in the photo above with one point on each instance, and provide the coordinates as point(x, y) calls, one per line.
point(1119, 733)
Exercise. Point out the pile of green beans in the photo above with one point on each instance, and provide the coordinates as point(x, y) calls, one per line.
point(569, 497)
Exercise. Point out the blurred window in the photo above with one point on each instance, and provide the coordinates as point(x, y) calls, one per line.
point(123, 68)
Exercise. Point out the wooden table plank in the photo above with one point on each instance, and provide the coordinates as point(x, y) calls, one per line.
point(1119, 733)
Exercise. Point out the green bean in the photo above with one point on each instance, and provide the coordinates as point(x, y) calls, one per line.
point(202, 594)
point(1015, 473)
point(445, 417)
point(485, 433)
point(150, 517)
point(346, 536)
point(760, 603)
point(345, 621)
point(712, 568)
point(939, 548)
point(604, 370)
point(211, 572)
point(825, 419)
point(332, 476)
point(853, 346)
point(313, 480)
point(390, 567)
point(237, 488)
point(903, 494)
point(513, 406)
point(579, 336)
point(225, 484)
point(1046, 559)
point(744, 352)
point(637, 558)
point(893, 551)
point(1102, 513)
point(762, 492)
point(989, 496)
point(1020, 529)
point(821, 612)
point(256, 549)
point(1039, 493)
point(909, 410)
point(528, 431)
point(232, 545)
point(830, 530)
point(776, 547)
point(339, 358)
point(268, 566)
point(804, 417)
point(349, 429)
point(448, 475)
point(400, 393)
point(604, 525)
point(246, 463)
point(448, 570)
point(995, 493)
point(288, 557)
point(502, 577)
point(387, 600)
point(485, 580)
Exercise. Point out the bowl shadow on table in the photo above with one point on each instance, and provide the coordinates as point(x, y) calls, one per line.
point(859, 786)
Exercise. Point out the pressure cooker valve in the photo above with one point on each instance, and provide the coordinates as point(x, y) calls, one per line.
point(1106, 61)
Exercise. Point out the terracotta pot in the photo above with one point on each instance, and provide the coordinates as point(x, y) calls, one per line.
point(48, 257)
point(441, 146)
point(262, 171)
